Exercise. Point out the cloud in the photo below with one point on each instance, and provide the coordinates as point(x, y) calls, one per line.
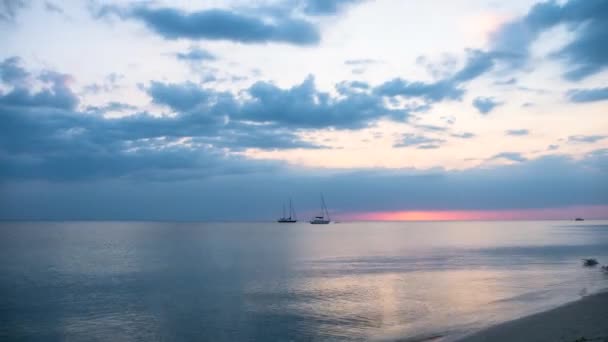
point(509, 81)
point(43, 136)
point(326, 7)
point(180, 97)
point(478, 62)
point(552, 147)
point(588, 95)
point(525, 184)
point(349, 87)
point(299, 107)
point(363, 61)
point(109, 84)
point(431, 128)
point(517, 132)
point(512, 156)
point(585, 55)
point(195, 54)
point(418, 141)
point(10, 8)
point(586, 138)
point(111, 107)
point(434, 92)
point(485, 104)
point(304, 106)
point(219, 24)
point(55, 93)
point(51, 7)
point(465, 135)
point(449, 88)
point(11, 71)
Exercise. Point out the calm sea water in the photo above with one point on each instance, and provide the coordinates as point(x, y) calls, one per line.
point(148, 281)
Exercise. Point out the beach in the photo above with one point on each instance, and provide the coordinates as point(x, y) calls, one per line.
point(583, 320)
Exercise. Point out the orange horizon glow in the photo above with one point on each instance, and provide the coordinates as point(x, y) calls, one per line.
point(566, 213)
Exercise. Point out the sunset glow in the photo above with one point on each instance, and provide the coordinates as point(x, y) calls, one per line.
point(589, 212)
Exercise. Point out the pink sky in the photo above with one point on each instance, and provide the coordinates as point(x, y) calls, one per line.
point(564, 213)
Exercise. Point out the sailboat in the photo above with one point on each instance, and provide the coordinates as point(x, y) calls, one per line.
point(292, 215)
point(323, 218)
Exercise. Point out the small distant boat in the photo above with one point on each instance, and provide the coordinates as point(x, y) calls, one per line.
point(323, 218)
point(589, 262)
point(579, 219)
point(292, 215)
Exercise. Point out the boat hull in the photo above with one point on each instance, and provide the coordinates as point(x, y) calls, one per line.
point(287, 221)
point(319, 222)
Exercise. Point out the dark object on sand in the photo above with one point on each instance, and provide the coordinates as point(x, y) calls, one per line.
point(589, 262)
point(579, 219)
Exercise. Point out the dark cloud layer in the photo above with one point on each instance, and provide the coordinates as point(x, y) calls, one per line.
point(525, 184)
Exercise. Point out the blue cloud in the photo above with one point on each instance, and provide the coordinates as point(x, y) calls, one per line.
point(431, 128)
point(181, 97)
point(418, 141)
point(52, 8)
point(434, 92)
point(301, 106)
point(586, 138)
point(586, 54)
point(55, 95)
point(449, 88)
point(485, 104)
point(478, 62)
point(512, 156)
point(195, 54)
point(305, 107)
point(326, 7)
point(588, 95)
point(465, 135)
point(10, 8)
point(517, 132)
point(11, 71)
point(509, 81)
point(348, 87)
point(219, 24)
point(111, 107)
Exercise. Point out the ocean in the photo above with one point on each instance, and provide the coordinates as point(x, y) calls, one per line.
point(382, 281)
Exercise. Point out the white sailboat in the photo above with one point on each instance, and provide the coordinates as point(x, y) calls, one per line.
point(323, 218)
point(292, 215)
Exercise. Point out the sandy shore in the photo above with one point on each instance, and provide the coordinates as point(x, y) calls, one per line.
point(582, 320)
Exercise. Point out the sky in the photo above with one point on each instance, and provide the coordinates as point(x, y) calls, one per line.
point(223, 110)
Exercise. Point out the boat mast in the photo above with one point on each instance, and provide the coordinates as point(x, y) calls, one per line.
point(324, 208)
point(292, 212)
point(283, 210)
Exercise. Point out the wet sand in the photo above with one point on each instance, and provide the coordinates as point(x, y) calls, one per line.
point(580, 321)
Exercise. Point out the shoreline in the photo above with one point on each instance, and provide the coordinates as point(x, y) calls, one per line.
point(585, 319)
